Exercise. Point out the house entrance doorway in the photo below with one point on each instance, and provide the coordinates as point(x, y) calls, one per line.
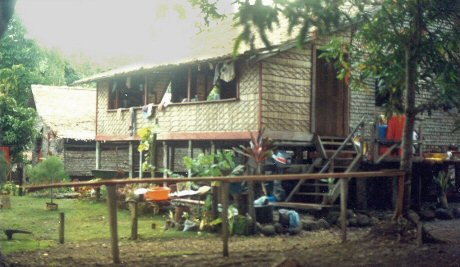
point(331, 101)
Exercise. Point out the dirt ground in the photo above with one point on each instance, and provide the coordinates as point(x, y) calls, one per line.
point(319, 248)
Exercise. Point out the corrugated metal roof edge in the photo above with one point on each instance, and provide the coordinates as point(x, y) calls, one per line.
point(146, 67)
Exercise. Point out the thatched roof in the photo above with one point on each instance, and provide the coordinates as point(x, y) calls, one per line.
point(68, 111)
point(211, 45)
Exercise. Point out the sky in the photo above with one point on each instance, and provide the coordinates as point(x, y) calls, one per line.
point(141, 30)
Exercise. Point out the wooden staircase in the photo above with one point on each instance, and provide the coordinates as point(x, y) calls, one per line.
point(335, 154)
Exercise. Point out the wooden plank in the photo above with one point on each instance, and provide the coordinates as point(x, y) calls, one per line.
point(188, 201)
point(248, 178)
point(303, 206)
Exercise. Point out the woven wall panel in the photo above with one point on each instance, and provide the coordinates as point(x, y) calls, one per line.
point(115, 159)
point(284, 72)
point(228, 116)
point(79, 163)
point(437, 129)
point(286, 92)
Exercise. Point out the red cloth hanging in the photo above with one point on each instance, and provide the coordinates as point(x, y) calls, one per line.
point(396, 130)
point(396, 127)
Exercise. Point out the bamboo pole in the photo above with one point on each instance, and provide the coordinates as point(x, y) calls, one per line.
point(61, 227)
point(225, 227)
point(112, 205)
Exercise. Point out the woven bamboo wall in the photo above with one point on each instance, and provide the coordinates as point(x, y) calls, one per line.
point(79, 163)
point(231, 116)
point(286, 91)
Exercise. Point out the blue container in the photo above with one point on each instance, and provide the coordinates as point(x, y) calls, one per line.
point(382, 131)
point(271, 198)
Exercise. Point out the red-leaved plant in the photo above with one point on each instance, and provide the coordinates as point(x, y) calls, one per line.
point(259, 149)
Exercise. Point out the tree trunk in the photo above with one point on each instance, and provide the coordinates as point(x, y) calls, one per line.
point(411, 59)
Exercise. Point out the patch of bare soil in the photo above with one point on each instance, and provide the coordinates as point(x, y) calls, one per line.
point(320, 248)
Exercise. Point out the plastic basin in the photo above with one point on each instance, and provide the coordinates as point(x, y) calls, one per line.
point(157, 193)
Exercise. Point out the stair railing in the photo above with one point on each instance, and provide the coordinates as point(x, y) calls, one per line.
point(320, 146)
point(342, 146)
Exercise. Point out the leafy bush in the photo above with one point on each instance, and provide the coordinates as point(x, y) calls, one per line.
point(4, 167)
point(49, 171)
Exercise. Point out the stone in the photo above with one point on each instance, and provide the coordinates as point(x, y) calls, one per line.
point(350, 214)
point(310, 226)
point(339, 222)
point(268, 230)
point(443, 214)
point(363, 220)
point(332, 217)
point(374, 220)
point(323, 224)
point(353, 221)
point(456, 212)
point(427, 215)
point(280, 229)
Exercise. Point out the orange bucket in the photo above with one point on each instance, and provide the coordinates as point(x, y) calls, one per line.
point(157, 193)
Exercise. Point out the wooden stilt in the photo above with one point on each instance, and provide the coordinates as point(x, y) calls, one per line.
point(165, 160)
point(225, 227)
point(343, 207)
point(190, 154)
point(112, 205)
point(130, 160)
point(98, 155)
point(141, 156)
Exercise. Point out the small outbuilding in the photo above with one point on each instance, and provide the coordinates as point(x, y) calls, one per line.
point(66, 123)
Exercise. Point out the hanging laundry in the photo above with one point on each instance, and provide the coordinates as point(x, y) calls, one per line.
point(147, 110)
point(216, 74)
point(166, 100)
point(227, 72)
point(132, 121)
point(224, 72)
point(214, 94)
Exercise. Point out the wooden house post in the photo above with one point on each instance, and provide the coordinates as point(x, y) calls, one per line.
point(130, 160)
point(141, 174)
point(190, 154)
point(98, 155)
point(165, 160)
point(225, 226)
point(189, 84)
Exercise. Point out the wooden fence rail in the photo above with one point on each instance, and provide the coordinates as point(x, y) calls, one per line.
point(113, 183)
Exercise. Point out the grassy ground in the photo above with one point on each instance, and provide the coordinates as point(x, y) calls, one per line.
point(84, 221)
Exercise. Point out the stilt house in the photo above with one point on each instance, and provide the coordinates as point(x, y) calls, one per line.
point(290, 91)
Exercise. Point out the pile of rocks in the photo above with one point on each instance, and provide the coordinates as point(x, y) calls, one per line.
point(316, 223)
point(431, 212)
